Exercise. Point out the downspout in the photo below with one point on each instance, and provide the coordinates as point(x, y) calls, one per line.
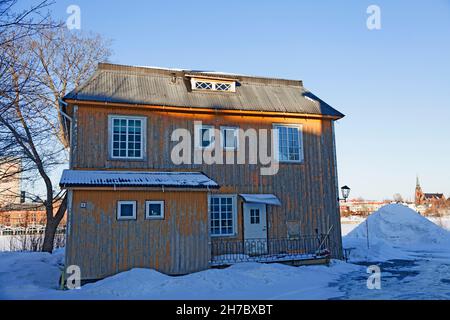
point(63, 104)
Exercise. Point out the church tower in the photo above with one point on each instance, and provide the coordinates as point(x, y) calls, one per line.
point(418, 199)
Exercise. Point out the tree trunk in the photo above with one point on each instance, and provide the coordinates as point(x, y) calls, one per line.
point(52, 225)
point(49, 237)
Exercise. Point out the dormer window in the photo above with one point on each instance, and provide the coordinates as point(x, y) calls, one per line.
point(200, 84)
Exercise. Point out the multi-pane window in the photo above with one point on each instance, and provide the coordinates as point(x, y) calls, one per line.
point(202, 85)
point(127, 137)
point(223, 86)
point(222, 215)
point(229, 136)
point(254, 216)
point(289, 143)
point(213, 85)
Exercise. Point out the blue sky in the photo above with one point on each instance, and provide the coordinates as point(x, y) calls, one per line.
point(393, 84)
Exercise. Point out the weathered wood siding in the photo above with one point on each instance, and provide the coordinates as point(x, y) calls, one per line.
point(308, 191)
point(101, 245)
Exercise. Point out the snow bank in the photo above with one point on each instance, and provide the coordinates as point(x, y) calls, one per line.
point(393, 231)
point(31, 275)
point(240, 281)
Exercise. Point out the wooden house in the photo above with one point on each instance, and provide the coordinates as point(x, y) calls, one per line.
point(132, 205)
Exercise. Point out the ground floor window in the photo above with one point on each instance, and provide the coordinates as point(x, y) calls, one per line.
point(126, 210)
point(222, 211)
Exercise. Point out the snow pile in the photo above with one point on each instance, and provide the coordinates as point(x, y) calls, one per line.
point(393, 230)
point(22, 274)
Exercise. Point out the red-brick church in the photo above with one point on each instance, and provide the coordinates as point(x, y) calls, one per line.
point(433, 200)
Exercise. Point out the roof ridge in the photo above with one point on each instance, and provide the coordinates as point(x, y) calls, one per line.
point(189, 72)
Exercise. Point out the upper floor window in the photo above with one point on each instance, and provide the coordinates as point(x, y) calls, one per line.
point(213, 85)
point(290, 144)
point(127, 136)
point(205, 136)
point(229, 137)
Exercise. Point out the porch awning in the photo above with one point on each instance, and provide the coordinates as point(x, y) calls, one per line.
point(261, 198)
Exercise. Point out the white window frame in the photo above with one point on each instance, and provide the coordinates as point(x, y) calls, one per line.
point(214, 84)
point(143, 120)
point(199, 138)
point(300, 142)
point(233, 215)
point(147, 203)
point(222, 137)
point(119, 208)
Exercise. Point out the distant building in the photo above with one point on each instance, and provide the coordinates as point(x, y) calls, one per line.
point(360, 207)
point(9, 184)
point(16, 219)
point(432, 200)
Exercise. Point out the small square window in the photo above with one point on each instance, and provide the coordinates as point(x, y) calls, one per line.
point(205, 137)
point(126, 210)
point(229, 138)
point(154, 209)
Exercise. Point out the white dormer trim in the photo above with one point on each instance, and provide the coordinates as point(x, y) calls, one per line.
point(217, 85)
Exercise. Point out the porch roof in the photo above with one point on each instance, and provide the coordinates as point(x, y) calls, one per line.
point(261, 198)
point(103, 178)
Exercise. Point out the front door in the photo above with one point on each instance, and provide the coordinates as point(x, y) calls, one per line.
point(255, 228)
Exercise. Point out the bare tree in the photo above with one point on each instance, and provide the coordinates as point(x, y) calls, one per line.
point(15, 24)
point(37, 68)
point(398, 198)
point(67, 60)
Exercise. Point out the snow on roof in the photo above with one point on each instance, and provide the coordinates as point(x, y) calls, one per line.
point(261, 198)
point(85, 178)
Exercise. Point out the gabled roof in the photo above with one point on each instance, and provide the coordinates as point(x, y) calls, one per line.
point(171, 87)
point(117, 179)
point(433, 195)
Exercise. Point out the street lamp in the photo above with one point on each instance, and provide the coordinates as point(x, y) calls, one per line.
point(345, 192)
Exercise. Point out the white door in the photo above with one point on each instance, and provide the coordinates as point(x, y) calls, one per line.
point(255, 228)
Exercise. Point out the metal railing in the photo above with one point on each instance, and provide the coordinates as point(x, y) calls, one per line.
point(224, 251)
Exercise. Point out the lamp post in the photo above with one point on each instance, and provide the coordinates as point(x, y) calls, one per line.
point(345, 192)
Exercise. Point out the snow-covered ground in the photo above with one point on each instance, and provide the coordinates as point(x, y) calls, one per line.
point(412, 252)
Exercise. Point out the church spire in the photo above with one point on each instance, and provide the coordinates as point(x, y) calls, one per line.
point(417, 181)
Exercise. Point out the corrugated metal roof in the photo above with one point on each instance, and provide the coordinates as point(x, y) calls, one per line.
point(171, 87)
point(91, 178)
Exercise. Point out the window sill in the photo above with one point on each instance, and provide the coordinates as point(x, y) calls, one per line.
point(127, 159)
point(223, 235)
